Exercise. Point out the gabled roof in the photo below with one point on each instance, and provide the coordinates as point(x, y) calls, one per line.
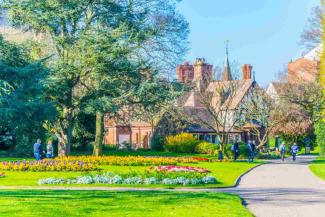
point(238, 89)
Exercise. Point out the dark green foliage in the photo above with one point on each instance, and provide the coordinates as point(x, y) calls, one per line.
point(268, 156)
point(157, 143)
point(320, 136)
point(84, 132)
point(104, 53)
point(243, 150)
point(24, 109)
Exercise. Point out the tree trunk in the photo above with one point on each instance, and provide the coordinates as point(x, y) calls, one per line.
point(98, 145)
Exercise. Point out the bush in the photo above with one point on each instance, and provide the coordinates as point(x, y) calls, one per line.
point(320, 136)
point(206, 148)
point(157, 143)
point(243, 151)
point(183, 143)
point(23, 148)
point(268, 156)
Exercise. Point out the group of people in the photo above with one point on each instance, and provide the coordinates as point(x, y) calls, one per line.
point(252, 149)
point(38, 150)
point(294, 150)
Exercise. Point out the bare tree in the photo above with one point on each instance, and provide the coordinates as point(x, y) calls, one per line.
point(219, 109)
point(259, 111)
point(313, 32)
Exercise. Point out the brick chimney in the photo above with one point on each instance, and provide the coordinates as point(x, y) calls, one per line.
point(247, 71)
point(185, 73)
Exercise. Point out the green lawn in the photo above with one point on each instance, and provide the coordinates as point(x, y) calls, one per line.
point(318, 167)
point(225, 172)
point(28, 203)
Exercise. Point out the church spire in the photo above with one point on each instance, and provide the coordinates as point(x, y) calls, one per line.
point(226, 68)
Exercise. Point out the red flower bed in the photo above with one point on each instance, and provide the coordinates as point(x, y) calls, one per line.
point(201, 159)
point(2, 174)
point(181, 169)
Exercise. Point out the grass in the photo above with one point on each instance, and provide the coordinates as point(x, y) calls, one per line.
point(225, 172)
point(318, 167)
point(16, 203)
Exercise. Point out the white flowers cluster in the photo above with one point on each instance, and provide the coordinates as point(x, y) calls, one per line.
point(116, 179)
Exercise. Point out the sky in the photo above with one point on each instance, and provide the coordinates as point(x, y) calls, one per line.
point(264, 33)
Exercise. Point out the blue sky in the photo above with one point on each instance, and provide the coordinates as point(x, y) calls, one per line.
point(264, 33)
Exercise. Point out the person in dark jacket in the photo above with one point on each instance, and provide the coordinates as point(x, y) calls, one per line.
point(37, 148)
point(251, 148)
point(235, 149)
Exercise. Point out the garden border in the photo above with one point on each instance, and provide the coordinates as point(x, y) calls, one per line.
point(101, 188)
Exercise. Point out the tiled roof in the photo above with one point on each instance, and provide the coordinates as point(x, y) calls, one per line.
point(238, 89)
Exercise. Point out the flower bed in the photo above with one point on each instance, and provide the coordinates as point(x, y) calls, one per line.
point(130, 160)
point(47, 165)
point(201, 159)
point(110, 178)
point(181, 169)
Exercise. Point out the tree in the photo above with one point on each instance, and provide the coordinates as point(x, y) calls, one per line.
point(144, 27)
point(298, 109)
point(312, 34)
point(23, 105)
point(262, 115)
point(220, 110)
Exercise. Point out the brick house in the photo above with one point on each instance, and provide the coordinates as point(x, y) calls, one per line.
point(137, 133)
point(200, 76)
point(304, 69)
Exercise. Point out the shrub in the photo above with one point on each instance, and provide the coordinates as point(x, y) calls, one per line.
point(243, 150)
point(157, 143)
point(320, 136)
point(183, 143)
point(268, 156)
point(206, 148)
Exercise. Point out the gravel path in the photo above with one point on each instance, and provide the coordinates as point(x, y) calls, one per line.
point(283, 189)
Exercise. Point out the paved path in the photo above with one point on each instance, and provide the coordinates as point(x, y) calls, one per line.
point(283, 189)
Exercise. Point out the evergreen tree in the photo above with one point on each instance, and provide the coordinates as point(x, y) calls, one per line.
point(23, 106)
point(101, 43)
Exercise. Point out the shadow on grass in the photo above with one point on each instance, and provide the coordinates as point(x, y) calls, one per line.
point(164, 197)
point(321, 161)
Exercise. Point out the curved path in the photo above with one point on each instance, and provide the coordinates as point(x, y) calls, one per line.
point(283, 189)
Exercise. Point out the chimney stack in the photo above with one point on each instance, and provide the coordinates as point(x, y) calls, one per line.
point(247, 71)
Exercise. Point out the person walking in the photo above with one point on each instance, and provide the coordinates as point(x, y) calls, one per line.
point(49, 150)
point(37, 149)
point(235, 149)
point(294, 151)
point(251, 147)
point(283, 150)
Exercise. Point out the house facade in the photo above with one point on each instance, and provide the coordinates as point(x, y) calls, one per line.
point(137, 134)
point(193, 104)
point(199, 76)
point(301, 70)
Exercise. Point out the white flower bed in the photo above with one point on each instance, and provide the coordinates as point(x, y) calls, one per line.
point(116, 179)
